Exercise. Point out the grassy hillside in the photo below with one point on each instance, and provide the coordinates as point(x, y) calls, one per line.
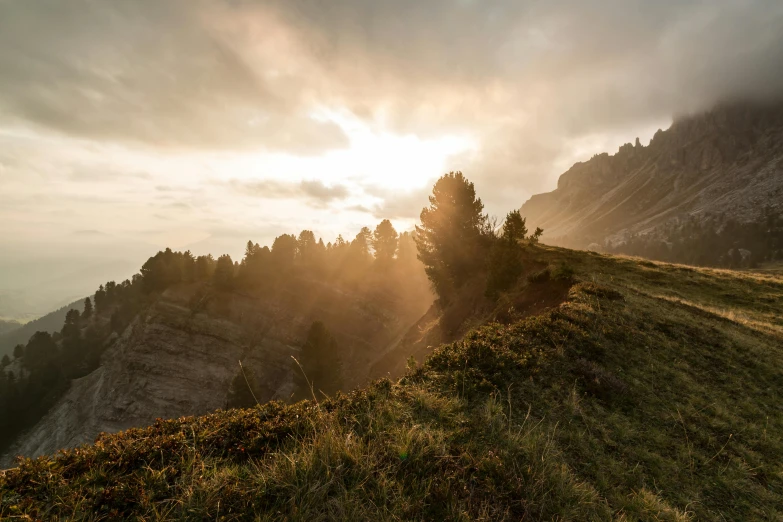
point(651, 393)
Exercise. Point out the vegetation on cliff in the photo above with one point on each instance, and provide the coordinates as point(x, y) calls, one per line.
point(651, 393)
point(588, 387)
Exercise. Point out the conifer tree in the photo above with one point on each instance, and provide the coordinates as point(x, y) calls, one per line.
point(224, 272)
point(319, 364)
point(241, 393)
point(449, 238)
point(87, 309)
point(384, 241)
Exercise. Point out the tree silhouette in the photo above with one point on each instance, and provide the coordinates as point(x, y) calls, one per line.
point(320, 363)
point(514, 228)
point(384, 241)
point(240, 393)
point(224, 272)
point(284, 251)
point(505, 260)
point(449, 237)
point(87, 309)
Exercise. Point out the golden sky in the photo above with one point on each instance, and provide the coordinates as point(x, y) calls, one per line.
point(130, 125)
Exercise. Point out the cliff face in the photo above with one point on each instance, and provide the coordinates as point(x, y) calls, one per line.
point(728, 160)
point(178, 358)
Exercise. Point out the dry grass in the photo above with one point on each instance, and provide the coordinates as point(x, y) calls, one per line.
point(652, 394)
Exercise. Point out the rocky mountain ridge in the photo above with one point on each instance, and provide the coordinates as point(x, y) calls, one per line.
point(178, 358)
point(728, 160)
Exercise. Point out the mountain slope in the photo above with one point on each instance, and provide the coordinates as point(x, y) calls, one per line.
point(179, 356)
point(8, 326)
point(651, 393)
point(727, 161)
point(51, 322)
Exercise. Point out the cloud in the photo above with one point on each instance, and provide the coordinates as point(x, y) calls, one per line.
point(148, 72)
point(103, 173)
point(399, 205)
point(89, 233)
point(527, 79)
point(315, 191)
point(318, 190)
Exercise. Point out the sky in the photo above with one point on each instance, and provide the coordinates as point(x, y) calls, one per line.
point(132, 125)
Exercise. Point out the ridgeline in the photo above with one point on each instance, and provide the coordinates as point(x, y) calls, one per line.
point(651, 392)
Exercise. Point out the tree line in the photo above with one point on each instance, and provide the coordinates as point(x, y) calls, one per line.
point(455, 242)
point(713, 240)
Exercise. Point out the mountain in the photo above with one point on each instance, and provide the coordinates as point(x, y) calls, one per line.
point(51, 322)
point(175, 359)
point(644, 391)
point(8, 326)
point(723, 167)
point(174, 340)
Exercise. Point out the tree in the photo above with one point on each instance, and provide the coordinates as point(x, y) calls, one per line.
point(384, 241)
point(224, 272)
point(72, 327)
point(5, 361)
point(87, 308)
point(241, 393)
point(320, 363)
point(40, 351)
point(306, 247)
point(100, 299)
point(18, 351)
point(505, 260)
point(205, 267)
point(514, 229)
point(449, 238)
point(536, 235)
point(362, 242)
point(284, 252)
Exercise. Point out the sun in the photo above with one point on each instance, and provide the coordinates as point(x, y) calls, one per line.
point(388, 160)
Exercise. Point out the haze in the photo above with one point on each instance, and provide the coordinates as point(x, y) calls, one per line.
point(129, 126)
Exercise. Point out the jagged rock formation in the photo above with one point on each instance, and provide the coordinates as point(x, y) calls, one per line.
point(728, 160)
point(179, 357)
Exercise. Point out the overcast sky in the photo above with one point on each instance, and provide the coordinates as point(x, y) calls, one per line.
point(142, 123)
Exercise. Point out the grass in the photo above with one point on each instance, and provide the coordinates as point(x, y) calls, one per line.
point(651, 393)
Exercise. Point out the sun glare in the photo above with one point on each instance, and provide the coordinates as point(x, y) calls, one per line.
point(388, 160)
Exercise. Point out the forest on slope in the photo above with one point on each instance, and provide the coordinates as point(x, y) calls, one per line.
point(646, 391)
point(270, 292)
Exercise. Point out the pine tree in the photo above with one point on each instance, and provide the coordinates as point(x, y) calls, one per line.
point(240, 393)
point(5, 361)
point(18, 351)
point(320, 364)
point(87, 309)
point(224, 272)
point(384, 241)
point(514, 228)
point(100, 299)
point(449, 238)
point(536, 235)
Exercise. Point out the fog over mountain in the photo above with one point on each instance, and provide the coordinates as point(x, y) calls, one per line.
point(204, 124)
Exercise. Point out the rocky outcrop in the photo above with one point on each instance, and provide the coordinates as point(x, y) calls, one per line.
point(178, 359)
point(728, 160)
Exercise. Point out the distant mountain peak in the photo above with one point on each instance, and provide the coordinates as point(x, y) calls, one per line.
point(727, 160)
